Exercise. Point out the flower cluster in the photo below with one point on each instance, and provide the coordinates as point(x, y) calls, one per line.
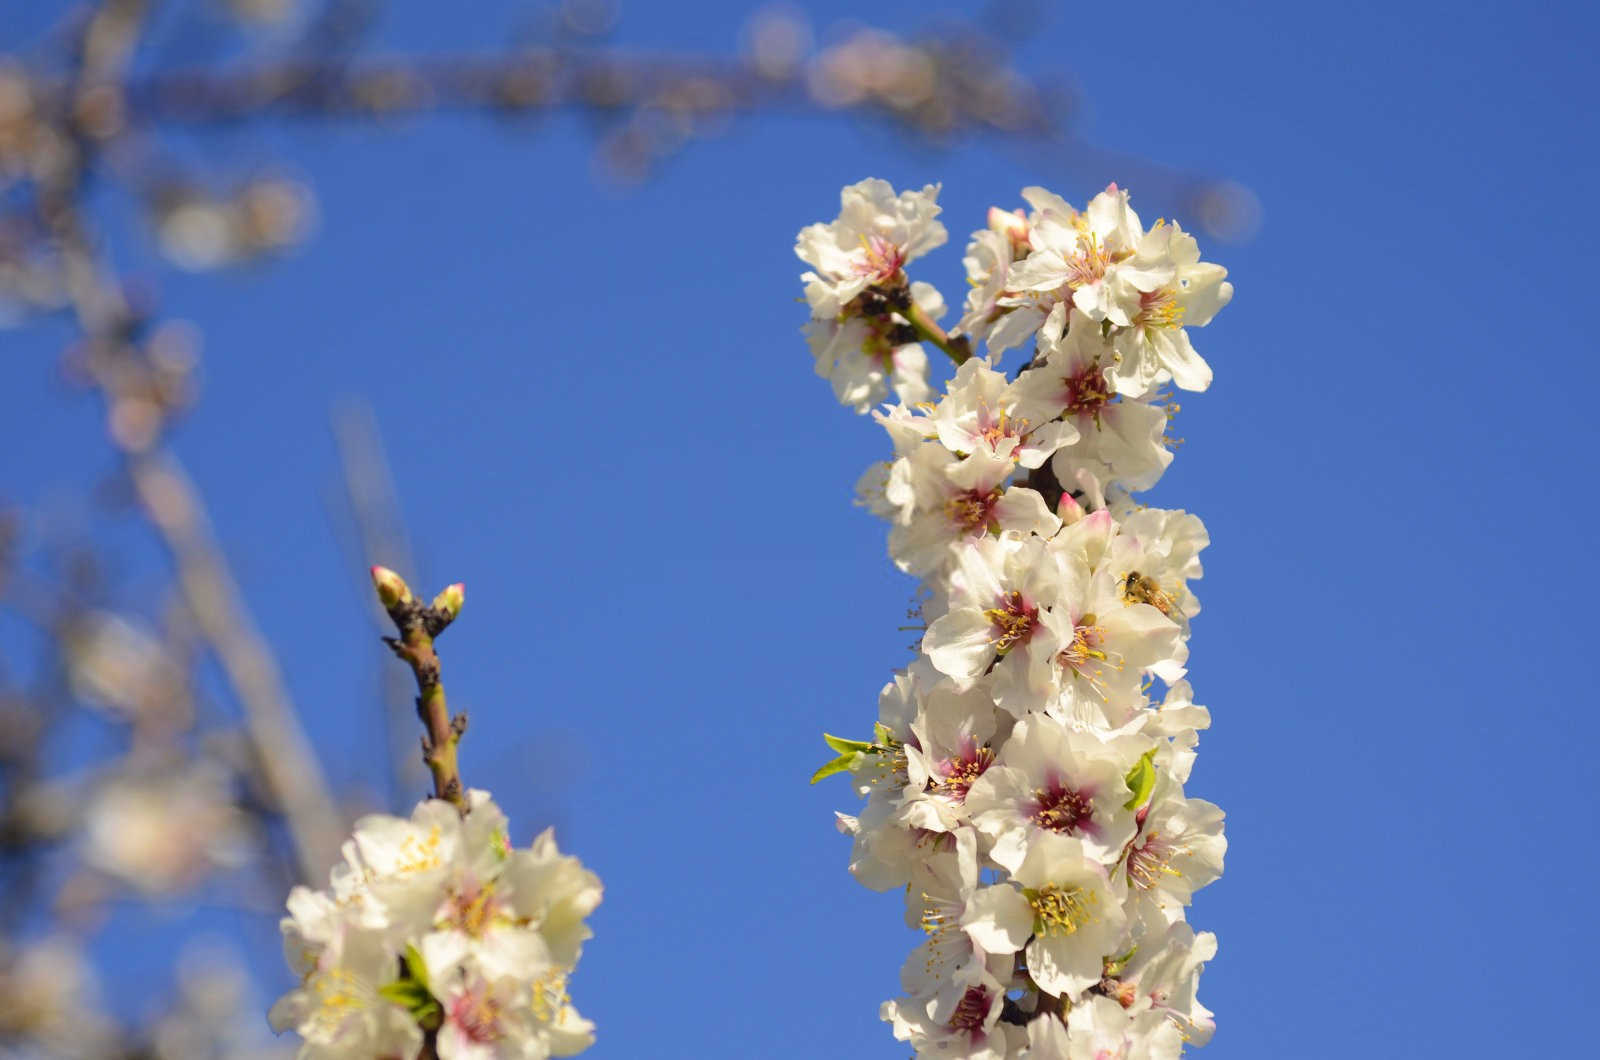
point(1024, 784)
point(436, 928)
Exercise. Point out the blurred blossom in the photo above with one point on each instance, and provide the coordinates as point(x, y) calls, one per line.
point(1227, 210)
point(199, 230)
point(50, 999)
point(162, 831)
point(217, 1015)
point(589, 18)
point(260, 12)
point(776, 41)
point(117, 666)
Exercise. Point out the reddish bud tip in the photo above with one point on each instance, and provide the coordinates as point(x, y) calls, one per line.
point(392, 589)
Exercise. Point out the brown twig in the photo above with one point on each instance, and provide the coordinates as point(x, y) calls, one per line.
point(418, 625)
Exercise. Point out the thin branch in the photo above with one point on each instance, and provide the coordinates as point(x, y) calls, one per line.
point(418, 625)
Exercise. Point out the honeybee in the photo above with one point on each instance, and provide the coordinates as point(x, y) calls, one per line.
point(1142, 589)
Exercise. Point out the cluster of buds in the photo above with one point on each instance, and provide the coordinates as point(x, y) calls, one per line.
point(1024, 781)
point(437, 938)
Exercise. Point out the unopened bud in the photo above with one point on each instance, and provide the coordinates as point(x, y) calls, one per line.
point(1069, 510)
point(392, 589)
point(450, 599)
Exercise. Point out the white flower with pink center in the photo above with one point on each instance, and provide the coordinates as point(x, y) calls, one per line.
point(1053, 779)
point(1151, 337)
point(954, 745)
point(1179, 849)
point(1075, 257)
point(866, 354)
point(936, 903)
point(1162, 977)
point(961, 1021)
point(963, 500)
point(979, 414)
point(1118, 438)
point(876, 234)
point(338, 1010)
point(1004, 612)
point(1059, 909)
point(1100, 1029)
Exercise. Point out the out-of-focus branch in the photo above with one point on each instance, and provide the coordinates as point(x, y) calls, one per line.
point(165, 493)
point(379, 535)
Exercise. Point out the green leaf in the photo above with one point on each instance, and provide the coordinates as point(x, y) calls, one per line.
point(843, 746)
point(415, 967)
point(1141, 780)
point(407, 993)
point(843, 764)
point(1114, 965)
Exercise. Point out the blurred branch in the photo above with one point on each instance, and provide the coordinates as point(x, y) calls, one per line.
point(380, 537)
point(120, 369)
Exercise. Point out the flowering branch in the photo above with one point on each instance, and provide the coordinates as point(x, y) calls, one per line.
point(1024, 780)
point(418, 625)
point(437, 935)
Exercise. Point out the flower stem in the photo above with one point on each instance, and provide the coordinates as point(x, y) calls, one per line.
point(957, 347)
point(418, 625)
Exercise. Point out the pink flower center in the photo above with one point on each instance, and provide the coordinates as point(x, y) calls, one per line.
point(972, 510)
point(959, 772)
point(972, 1012)
point(1014, 620)
point(477, 1015)
point(1086, 392)
point(880, 259)
point(1159, 309)
point(1059, 807)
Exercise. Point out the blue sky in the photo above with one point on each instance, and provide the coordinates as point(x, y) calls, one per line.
point(603, 420)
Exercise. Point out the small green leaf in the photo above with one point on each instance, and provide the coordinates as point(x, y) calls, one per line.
point(1141, 780)
point(882, 735)
point(843, 764)
point(1113, 966)
point(416, 967)
point(407, 993)
point(843, 746)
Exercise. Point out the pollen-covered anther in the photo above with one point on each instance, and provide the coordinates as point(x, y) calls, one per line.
point(956, 775)
point(550, 996)
point(477, 1014)
point(1151, 860)
point(337, 993)
point(972, 1011)
point(973, 510)
point(1159, 309)
point(419, 855)
point(996, 427)
point(1060, 911)
point(474, 909)
point(1060, 808)
point(890, 762)
point(880, 259)
point(1085, 655)
point(1014, 619)
point(1086, 392)
point(1090, 263)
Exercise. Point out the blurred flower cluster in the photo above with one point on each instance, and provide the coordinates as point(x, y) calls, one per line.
point(1024, 781)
